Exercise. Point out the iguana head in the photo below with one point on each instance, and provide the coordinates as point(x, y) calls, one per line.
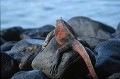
point(62, 33)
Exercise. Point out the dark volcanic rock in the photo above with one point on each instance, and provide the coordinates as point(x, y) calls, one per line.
point(108, 58)
point(92, 41)
point(104, 35)
point(8, 66)
point(7, 46)
point(87, 27)
point(11, 34)
point(38, 32)
point(114, 76)
point(24, 51)
point(26, 42)
point(68, 63)
point(33, 74)
point(26, 55)
point(22, 44)
point(91, 31)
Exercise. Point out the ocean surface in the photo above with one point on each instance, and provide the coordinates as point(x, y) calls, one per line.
point(36, 13)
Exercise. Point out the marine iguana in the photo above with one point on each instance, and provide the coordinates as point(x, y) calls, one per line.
point(67, 40)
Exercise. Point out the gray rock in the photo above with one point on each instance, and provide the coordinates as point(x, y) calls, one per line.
point(91, 31)
point(26, 42)
point(8, 66)
point(12, 34)
point(104, 35)
point(26, 55)
point(33, 74)
point(87, 27)
point(40, 33)
point(92, 41)
point(68, 63)
point(108, 57)
point(24, 52)
point(22, 44)
point(7, 46)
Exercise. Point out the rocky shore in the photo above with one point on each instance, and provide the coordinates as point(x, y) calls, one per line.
point(25, 55)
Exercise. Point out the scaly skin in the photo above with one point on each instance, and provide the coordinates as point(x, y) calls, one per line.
point(65, 38)
point(48, 38)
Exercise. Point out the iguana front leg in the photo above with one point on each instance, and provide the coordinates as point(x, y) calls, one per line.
point(58, 58)
point(48, 38)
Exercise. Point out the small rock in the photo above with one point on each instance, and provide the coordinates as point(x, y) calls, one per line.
point(8, 66)
point(12, 34)
point(33, 74)
point(22, 44)
point(26, 55)
point(40, 33)
point(107, 58)
point(7, 46)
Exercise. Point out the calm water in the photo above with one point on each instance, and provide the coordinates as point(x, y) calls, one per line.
point(35, 13)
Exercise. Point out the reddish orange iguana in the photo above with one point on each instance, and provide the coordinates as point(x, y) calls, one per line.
point(65, 38)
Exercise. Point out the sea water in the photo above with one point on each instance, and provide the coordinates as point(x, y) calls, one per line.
point(36, 13)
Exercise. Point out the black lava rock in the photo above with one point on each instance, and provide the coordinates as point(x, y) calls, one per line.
point(8, 66)
point(107, 58)
point(69, 62)
point(87, 27)
point(11, 34)
point(7, 46)
point(40, 33)
point(26, 55)
point(91, 31)
point(33, 74)
point(92, 41)
point(22, 44)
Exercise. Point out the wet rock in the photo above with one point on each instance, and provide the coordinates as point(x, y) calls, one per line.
point(8, 66)
point(2, 41)
point(7, 46)
point(107, 58)
point(114, 76)
point(12, 34)
point(33, 74)
point(40, 33)
point(68, 63)
point(26, 55)
point(87, 27)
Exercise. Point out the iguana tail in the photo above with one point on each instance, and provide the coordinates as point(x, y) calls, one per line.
point(77, 46)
